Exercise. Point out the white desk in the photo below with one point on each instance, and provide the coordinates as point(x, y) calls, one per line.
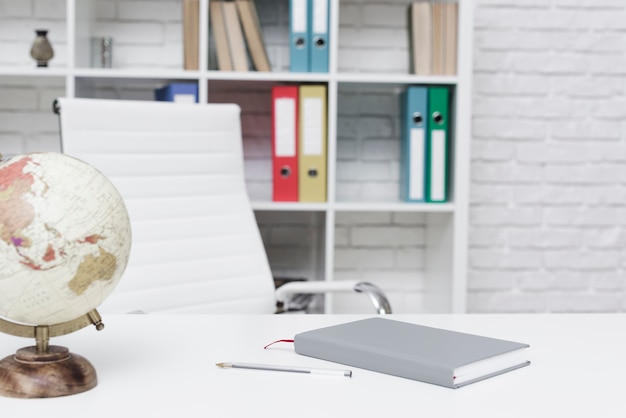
point(164, 366)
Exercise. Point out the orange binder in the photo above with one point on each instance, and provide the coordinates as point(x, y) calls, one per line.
point(285, 143)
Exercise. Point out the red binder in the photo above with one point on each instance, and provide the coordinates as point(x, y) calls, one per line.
point(285, 143)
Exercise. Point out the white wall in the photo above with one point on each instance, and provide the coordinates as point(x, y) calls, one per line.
point(548, 191)
point(548, 182)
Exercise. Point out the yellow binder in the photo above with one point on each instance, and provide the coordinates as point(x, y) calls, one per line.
point(312, 143)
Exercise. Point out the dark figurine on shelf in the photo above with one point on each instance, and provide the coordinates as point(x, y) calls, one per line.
point(41, 50)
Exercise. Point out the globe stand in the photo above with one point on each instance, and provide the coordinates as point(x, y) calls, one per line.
point(44, 370)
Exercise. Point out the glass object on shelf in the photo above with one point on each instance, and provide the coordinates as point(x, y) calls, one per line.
point(102, 52)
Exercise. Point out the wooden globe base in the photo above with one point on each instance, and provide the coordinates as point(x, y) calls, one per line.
point(55, 372)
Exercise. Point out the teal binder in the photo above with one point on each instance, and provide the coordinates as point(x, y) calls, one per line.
point(432, 355)
point(414, 114)
point(318, 44)
point(437, 145)
point(299, 35)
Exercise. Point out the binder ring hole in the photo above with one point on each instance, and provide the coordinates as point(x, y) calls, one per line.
point(438, 117)
point(299, 42)
point(320, 42)
point(417, 118)
point(312, 172)
point(285, 171)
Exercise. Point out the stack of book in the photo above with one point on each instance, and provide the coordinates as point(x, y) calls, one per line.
point(433, 27)
point(299, 137)
point(237, 31)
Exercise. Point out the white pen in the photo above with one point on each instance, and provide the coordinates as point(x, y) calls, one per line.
point(292, 369)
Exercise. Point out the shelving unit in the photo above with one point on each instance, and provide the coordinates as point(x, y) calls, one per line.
point(416, 252)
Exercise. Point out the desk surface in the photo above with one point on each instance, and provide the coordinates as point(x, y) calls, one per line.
point(164, 366)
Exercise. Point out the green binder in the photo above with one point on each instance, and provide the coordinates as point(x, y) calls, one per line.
point(437, 145)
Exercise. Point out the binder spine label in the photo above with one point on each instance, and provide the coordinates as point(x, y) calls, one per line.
point(416, 164)
point(438, 166)
point(285, 146)
point(312, 140)
point(298, 16)
point(320, 16)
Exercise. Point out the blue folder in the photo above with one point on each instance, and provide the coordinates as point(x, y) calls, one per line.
point(299, 36)
point(414, 113)
point(178, 92)
point(318, 18)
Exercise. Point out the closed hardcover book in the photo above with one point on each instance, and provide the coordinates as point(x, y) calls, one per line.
point(432, 355)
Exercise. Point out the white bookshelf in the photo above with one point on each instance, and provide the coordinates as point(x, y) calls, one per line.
point(352, 234)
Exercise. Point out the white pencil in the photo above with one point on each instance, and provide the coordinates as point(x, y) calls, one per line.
point(292, 369)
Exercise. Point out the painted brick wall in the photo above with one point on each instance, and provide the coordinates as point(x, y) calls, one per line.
point(548, 185)
point(26, 119)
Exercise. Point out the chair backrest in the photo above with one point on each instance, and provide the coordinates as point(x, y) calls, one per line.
point(196, 245)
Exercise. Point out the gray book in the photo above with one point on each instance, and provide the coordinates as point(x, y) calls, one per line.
point(433, 355)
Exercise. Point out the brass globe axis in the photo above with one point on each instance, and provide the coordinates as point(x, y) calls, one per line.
point(45, 370)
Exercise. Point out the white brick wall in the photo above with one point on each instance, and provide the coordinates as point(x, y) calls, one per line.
point(548, 180)
point(548, 191)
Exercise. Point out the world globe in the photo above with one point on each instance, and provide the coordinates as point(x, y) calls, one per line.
point(65, 238)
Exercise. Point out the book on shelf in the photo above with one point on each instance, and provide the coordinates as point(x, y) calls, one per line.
point(420, 39)
point(253, 34)
point(451, 14)
point(438, 43)
point(433, 32)
point(191, 28)
point(432, 355)
point(238, 35)
point(218, 28)
point(234, 35)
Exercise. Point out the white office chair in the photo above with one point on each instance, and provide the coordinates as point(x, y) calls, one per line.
point(196, 244)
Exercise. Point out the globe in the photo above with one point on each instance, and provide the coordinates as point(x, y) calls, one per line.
point(65, 238)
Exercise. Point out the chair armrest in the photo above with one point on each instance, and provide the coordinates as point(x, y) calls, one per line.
point(376, 295)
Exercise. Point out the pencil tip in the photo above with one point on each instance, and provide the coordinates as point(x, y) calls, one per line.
point(219, 364)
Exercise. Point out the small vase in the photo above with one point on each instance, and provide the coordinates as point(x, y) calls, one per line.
point(41, 50)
